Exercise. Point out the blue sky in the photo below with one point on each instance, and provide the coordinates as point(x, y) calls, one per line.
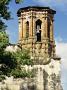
point(60, 27)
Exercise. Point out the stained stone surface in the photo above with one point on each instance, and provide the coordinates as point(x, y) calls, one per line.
point(47, 78)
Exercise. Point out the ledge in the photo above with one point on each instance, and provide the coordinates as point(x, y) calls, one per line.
point(57, 58)
point(35, 8)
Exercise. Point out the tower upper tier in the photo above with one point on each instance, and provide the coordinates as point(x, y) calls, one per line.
point(35, 8)
point(36, 30)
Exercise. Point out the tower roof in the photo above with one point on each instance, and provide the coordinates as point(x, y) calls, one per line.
point(35, 8)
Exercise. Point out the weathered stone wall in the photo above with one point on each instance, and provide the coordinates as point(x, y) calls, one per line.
point(46, 46)
point(47, 78)
point(12, 48)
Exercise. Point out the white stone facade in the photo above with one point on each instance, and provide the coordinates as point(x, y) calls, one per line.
point(47, 78)
point(12, 48)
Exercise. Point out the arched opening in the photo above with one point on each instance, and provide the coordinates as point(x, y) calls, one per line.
point(39, 36)
point(38, 30)
point(38, 24)
point(27, 29)
point(49, 30)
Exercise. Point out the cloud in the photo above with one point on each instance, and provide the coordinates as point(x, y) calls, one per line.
point(52, 2)
point(56, 4)
point(61, 50)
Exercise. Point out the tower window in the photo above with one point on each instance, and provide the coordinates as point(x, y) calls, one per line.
point(38, 24)
point(38, 30)
point(39, 36)
point(27, 29)
point(48, 29)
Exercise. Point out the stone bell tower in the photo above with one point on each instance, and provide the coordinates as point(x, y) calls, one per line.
point(36, 34)
point(36, 31)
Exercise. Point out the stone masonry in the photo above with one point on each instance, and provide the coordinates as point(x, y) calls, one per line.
point(36, 31)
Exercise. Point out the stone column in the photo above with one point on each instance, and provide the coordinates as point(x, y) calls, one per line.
point(46, 26)
point(52, 37)
point(39, 78)
point(51, 31)
point(24, 28)
point(20, 28)
point(31, 25)
point(46, 34)
point(34, 27)
point(43, 30)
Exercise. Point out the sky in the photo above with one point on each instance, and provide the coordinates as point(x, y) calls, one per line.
point(60, 26)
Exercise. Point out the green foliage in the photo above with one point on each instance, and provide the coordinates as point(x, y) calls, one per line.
point(23, 57)
point(4, 9)
point(2, 77)
point(8, 62)
point(11, 63)
point(4, 40)
point(18, 1)
point(9, 59)
point(2, 26)
point(19, 73)
point(4, 13)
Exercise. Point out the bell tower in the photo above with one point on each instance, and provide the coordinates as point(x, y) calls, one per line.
point(36, 34)
point(36, 31)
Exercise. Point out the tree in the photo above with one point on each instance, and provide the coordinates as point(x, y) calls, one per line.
point(4, 40)
point(23, 57)
point(2, 26)
point(18, 1)
point(11, 63)
point(4, 12)
point(8, 63)
point(4, 8)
